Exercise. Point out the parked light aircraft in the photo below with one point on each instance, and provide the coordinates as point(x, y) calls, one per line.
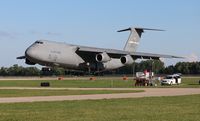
point(75, 57)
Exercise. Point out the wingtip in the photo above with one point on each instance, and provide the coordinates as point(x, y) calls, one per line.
point(122, 30)
point(21, 57)
point(149, 29)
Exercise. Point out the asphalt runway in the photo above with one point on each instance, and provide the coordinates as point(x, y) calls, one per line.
point(148, 92)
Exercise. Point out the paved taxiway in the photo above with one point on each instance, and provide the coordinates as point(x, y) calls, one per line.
point(148, 92)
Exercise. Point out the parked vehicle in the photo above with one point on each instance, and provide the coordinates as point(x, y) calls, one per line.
point(171, 79)
point(144, 78)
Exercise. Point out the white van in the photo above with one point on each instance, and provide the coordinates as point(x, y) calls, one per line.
point(171, 79)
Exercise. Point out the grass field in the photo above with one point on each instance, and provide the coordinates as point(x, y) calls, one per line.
point(26, 93)
point(180, 108)
point(105, 83)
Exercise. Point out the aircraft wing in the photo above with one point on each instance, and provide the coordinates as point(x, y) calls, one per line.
point(89, 54)
point(151, 55)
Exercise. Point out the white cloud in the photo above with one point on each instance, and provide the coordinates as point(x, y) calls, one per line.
point(4, 34)
point(192, 58)
point(53, 33)
point(189, 58)
point(35, 32)
point(47, 33)
point(163, 59)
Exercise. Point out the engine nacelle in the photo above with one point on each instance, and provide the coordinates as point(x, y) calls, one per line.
point(103, 57)
point(127, 60)
point(114, 63)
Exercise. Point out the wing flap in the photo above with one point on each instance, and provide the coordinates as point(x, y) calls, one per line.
point(142, 55)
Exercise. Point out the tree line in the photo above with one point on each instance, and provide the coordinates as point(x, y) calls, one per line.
point(156, 66)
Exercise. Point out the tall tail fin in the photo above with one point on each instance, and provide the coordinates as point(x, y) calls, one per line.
point(134, 38)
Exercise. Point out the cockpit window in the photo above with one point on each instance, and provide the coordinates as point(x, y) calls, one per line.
point(39, 42)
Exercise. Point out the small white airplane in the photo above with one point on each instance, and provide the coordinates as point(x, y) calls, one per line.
point(75, 57)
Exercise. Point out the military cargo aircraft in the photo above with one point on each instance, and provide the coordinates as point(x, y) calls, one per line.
point(76, 57)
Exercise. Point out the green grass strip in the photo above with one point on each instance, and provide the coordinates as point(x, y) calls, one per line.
point(28, 92)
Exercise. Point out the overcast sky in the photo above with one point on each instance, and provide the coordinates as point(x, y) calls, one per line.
point(95, 22)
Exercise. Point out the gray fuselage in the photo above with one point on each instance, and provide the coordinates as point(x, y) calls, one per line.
point(48, 53)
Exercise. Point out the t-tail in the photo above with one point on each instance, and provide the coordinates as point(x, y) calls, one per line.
point(134, 38)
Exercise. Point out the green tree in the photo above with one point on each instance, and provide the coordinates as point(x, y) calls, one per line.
point(169, 70)
point(4, 71)
point(14, 70)
point(58, 71)
point(156, 66)
point(31, 71)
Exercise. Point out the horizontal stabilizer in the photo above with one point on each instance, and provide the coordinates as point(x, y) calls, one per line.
point(138, 28)
point(124, 30)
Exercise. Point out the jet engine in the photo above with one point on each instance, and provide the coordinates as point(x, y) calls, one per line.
point(127, 60)
point(103, 57)
point(114, 63)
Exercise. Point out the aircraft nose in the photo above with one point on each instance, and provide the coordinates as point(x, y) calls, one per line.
point(30, 52)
